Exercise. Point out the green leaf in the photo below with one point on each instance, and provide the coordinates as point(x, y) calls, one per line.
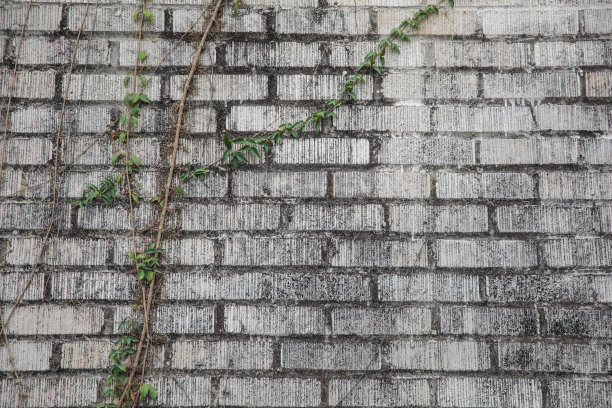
point(144, 98)
point(295, 134)
point(142, 56)
point(135, 17)
point(135, 160)
point(452, 3)
point(126, 80)
point(135, 97)
point(377, 69)
point(122, 137)
point(116, 157)
point(123, 119)
point(143, 79)
point(226, 141)
point(241, 157)
point(134, 121)
point(148, 15)
point(226, 155)
point(135, 197)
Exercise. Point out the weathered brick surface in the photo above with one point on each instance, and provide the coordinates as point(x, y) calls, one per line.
point(444, 242)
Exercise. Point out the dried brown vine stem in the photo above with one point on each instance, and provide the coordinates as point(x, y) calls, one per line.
point(160, 229)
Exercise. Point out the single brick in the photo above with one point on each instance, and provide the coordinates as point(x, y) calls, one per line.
point(428, 287)
point(90, 354)
point(37, 119)
point(330, 356)
point(486, 254)
point(327, 287)
point(602, 286)
point(548, 23)
point(485, 185)
point(27, 356)
point(598, 84)
point(432, 151)
point(280, 184)
point(40, 18)
point(368, 217)
point(222, 354)
point(259, 118)
point(270, 392)
point(40, 50)
point(437, 85)
point(198, 217)
point(27, 84)
point(17, 182)
point(547, 219)
point(489, 392)
point(350, 54)
point(188, 251)
point(489, 321)
point(443, 355)
point(60, 251)
point(204, 285)
point(572, 54)
point(579, 322)
point(585, 252)
point(51, 320)
point(273, 54)
point(73, 183)
point(319, 87)
point(576, 393)
point(596, 151)
point(381, 321)
point(112, 19)
point(386, 254)
point(534, 85)
point(388, 118)
point(32, 215)
point(463, 53)
point(483, 119)
point(58, 392)
point(387, 392)
point(251, 251)
point(92, 285)
point(215, 185)
point(572, 358)
point(106, 87)
point(274, 320)
point(573, 117)
point(221, 87)
point(333, 151)
point(245, 21)
point(426, 219)
point(344, 21)
point(185, 391)
point(597, 21)
point(538, 288)
point(103, 217)
point(13, 283)
point(576, 186)
point(164, 53)
point(184, 319)
point(447, 22)
point(101, 151)
point(529, 151)
point(381, 184)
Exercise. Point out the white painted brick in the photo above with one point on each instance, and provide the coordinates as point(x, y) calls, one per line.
point(561, 253)
point(92, 285)
point(576, 186)
point(386, 254)
point(32, 215)
point(327, 287)
point(190, 20)
point(426, 219)
point(444, 355)
point(107, 87)
point(570, 54)
point(50, 320)
point(321, 87)
point(546, 219)
point(40, 18)
point(200, 120)
point(323, 151)
point(344, 21)
point(428, 287)
point(164, 53)
point(112, 19)
point(489, 392)
point(12, 283)
point(596, 151)
point(530, 22)
point(489, 321)
point(381, 321)
point(588, 393)
point(432, 151)
point(188, 251)
point(259, 118)
point(448, 22)
point(274, 320)
point(602, 287)
point(40, 50)
point(463, 53)
point(381, 184)
point(573, 358)
point(369, 217)
point(37, 119)
point(270, 392)
point(215, 185)
point(100, 151)
point(486, 254)
point(350, 54)
point(279, 184)
point(579, 323)
point(60, 251)
point(438, 85)
point(330, 356)
point(186, 391)
point(598, 84)
point(388, 118)
point(221, 87)
point(197, 217)
point(573, 117)
point(102, 217)
point(529, 151)
point(273, 54)
point(538, 288)
point(483, 119)
point(597, 21)
point(388, 392)
point(27, 356)
point(184, 319)
point(73, 183)
point(58, 392)
point(223, 354)
point(27, 84)
point(19, 183)
point(485, 185)
point(90, 354)
point(204, 285)
point(250, 251)
point(534, 85)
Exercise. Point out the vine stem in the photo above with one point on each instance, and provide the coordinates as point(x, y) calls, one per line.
point(160, 230)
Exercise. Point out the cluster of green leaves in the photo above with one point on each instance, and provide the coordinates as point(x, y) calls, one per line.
point(147, 263)
point(106, 191)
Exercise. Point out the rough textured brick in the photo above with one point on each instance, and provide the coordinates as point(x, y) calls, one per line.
point(331, 21)
point(596, 151)
point(489, 321)
point(112, 19)
point(591, 393)
point(392, 392)
point(185, 391)
point(448, 22)
point(485, 185)
point(534, 85)
point(189, 20)
point(184, 319)
point(579, 322)
point(438, 85)
point(393, 118)
point(602, 286)
point(368, 217)
point(529, 151)
point(41, 18)
point(428, 287)
point(369, 253)
point(37, 119)
point(215, 185)
point(27, 84)
point(259, 118)
point(221, 87)
point(573, 117)
point(272, 251)
point(330, 356)
point(321, 87)
point(381, 184)
point(15, 183)
point(489, 392)
point(351, 54)
point(573, 358)
point(273, 54)
point(58, 392)
point(197, 217)
point(381, 321)
point(538, 288)
point(546, 219)
point(189, 251)
point(597, 21)
point(526, 22)
point(42, 320)
point(27, 356)
point(101, 151)
point(270, 392)
point(164, 53)
point(486, 254)
point(12, 283)
point(426, 219)
point(598, 84)
point(60, 251)
point(89, 354)
point(483, 119)
point(28, 151)
point(214, 355)
point(481, 54)
point(323, 151)
point(575, 186)
point(106, 87)
point(72, 183)
point(102, 217)
point(31, 215)
point(280, 184)
point(41, 50)
point(274, 320)
point(584, 252)
point(92, 285)
point(571, 54)
point(438, 151)
point(445, 355)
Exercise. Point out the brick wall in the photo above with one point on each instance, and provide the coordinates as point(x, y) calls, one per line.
point(446, 242)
